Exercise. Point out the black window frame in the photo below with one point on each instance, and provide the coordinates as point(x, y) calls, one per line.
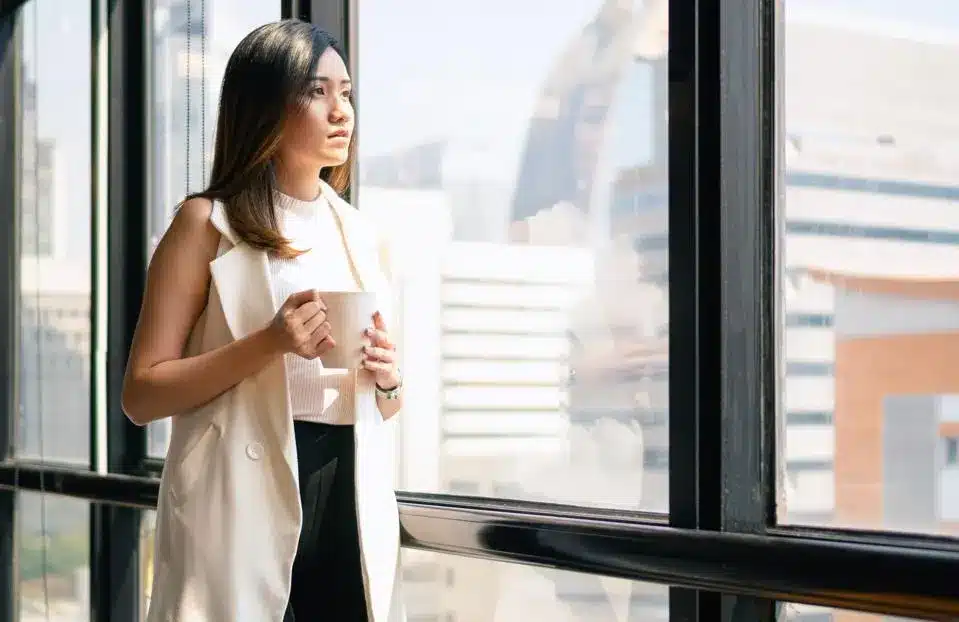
point(720, 548)
point(10, 42)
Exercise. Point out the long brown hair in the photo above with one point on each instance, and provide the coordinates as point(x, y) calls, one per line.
point(268, 75)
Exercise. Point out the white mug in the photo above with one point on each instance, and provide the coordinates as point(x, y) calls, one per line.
point(349, 315)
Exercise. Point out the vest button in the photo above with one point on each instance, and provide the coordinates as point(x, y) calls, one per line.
point(254, 451)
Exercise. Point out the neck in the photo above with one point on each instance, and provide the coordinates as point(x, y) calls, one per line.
point(300, 182)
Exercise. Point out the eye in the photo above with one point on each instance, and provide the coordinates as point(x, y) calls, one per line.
point(347, 94)
point(318, 92)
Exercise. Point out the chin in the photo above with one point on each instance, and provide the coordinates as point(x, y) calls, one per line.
point(334, 157)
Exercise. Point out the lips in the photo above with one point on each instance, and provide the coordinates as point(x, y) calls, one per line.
point(339, 134)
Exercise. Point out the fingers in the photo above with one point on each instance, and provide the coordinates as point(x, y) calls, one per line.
point(383, 355)
point(319, 342)
point(309, 310)
point(299, 298)
point(380, 338)
point(320, 332)
point(325, 346)
point(378, 322)
point(322, 345)
point(377, 366)
point(317, 323)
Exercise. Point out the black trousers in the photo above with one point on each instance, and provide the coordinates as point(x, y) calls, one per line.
point(327, 572)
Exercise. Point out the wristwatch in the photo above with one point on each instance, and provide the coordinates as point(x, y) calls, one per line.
point(390, 394)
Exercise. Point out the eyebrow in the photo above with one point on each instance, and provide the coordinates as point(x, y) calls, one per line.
point(344, 81)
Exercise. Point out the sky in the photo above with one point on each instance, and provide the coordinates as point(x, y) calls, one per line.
point(922, 19)
point(435, 68)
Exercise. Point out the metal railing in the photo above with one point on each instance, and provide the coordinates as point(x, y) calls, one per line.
point(879, 573)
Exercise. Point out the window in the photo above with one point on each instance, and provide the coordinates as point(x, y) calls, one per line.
point(147, 533)
point(951, 451)
point(53, 563)
point(808, 418)
point(807, 613)
point(813, 320)
point(191, 43)
point(448, 587)
point(810, 613)
point(870, 223)
point(843, 230)
point(514, 187)
point(523, 183)
point(802, 368)
point(55, 215)
point(948, 492)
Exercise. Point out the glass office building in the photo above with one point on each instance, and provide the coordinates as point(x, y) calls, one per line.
point(677, 296)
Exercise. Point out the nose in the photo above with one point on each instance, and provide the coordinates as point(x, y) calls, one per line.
point(339, 113)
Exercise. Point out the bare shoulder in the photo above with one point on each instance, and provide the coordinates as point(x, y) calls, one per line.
point(194, 213)
point(192, 225)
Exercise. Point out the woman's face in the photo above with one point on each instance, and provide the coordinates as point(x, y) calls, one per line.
point(319, 133)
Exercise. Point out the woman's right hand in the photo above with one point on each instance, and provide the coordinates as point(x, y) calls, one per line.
point(300, 326)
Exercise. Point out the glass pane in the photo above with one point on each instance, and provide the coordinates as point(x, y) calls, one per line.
point(192, 40)
point(792, 612)
point(525, 196)
point(870, 287)
point(147, 532)
point(53, 563)
point(54, 212)
point(450, 588)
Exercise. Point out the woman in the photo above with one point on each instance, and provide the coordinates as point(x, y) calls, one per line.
point(276, 501)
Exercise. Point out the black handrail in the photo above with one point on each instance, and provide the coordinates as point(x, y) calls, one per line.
point(891, 575)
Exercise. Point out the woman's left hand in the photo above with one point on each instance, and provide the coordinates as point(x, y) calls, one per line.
point(380, 355)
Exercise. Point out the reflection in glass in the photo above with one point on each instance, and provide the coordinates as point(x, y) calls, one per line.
point(147, 533)
point(191, 43)
point(792, 612)
point(513, 187)
point(451, 587)
point(870, 287)
point(448, 587)
point(53, 558)
point(54, 214)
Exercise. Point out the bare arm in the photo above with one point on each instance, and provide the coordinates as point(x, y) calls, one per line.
point(389, 408)
point(159, 381)
point(381, 360)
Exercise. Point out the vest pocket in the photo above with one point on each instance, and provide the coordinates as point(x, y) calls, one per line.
point(186, 469)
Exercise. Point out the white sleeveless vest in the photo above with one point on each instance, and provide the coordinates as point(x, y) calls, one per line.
point(229, 512)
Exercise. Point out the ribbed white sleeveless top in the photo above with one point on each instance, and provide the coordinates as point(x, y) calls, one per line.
point(316, 394)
